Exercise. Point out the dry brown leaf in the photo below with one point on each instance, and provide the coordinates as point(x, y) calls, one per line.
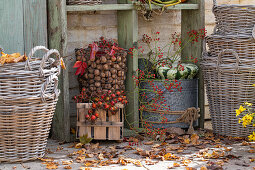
point(95, 146)
point(179, 151)
point(176, 165)
point(100, 156)
point(186, 162)
point(194, 139)
point(67, 162)
point(85, 168)
point(78, 145)
point(156, 146)
point(46, 159)
point(89, 155)
point(251, 151)
point(189, 168)
point(67, 167)
point(63, 66)
point(244, 143)
point(137, 163)
point(51, 165)
point(170, 156)
point(148, 143)
point(80, 159)
point(132, 139)
point(73, 131)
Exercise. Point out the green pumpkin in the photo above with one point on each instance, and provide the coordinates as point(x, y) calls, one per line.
point(194, 70)
point(172, 73)
point(183, 73)
point(162, 72)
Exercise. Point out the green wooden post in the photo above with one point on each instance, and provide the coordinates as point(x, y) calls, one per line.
point(194, 20)
point(127, 37)
point(35, 27)
point(57, 39)
point(11, 26)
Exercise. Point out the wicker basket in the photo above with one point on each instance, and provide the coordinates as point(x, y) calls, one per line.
point(228, 85)
point(244, 45)
point(234, 19)
point(28, 93)
point(84, 2)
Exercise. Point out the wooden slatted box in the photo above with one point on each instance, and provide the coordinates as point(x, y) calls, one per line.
point(106, 127)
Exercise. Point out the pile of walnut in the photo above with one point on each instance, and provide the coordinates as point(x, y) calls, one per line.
point(104, 72)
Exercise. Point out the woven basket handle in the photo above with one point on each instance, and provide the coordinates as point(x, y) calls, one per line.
point(204, 53)
point(31, 54)
point(52, 78)
point(214, 4)
point(46, 58)
point(221, 54)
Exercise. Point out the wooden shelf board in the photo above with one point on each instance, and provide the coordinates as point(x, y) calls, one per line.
point(112, 7)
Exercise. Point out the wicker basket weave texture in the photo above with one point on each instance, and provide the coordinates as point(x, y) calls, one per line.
point(228, 85)
point(84, 2)
point(244, 46)
point(28, 93)
point(234, 19)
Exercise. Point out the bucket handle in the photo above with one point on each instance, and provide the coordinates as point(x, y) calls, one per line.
point(221, 54)
point(52, 78)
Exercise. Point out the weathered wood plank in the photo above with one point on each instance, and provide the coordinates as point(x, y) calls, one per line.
point(57, 37)
point(127, 37)
point(35, 27)
point(193, 20)
point(11, 28)
point(108, 7)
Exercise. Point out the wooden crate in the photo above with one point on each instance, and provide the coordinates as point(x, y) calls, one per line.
point(105, 128)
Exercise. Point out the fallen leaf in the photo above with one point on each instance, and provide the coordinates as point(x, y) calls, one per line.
point(67, 162)
point(89, 155)
point(244, 143)
point(51, 165)
point(251, 151)
point(78, 145)
point(203, 168)
point(194, 139)
point(137, 163)
point(176, 165)
point(156, 146)
point(148, 143)
point(46, 159)
point(67, 167)
point(189, 168)
point(85, 168)
point(100, 156)
point(132, 139)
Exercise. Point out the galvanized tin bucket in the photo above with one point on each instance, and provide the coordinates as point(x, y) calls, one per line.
point(178, 101)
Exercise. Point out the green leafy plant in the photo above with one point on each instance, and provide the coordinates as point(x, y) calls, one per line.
point(85, 139)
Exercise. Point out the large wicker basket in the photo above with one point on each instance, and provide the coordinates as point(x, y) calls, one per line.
point(84, 2)
point(244, 45)
point(228, 85)
point(234, 19)
point(28, 96)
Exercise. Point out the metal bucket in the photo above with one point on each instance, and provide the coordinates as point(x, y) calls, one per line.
point(178, 101)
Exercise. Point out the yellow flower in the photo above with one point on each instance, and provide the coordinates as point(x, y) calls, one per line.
point(248, 104)
point(240, 120)
point(247, 120)
point(240, 110)
point(252, 137)
point(253, 85)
